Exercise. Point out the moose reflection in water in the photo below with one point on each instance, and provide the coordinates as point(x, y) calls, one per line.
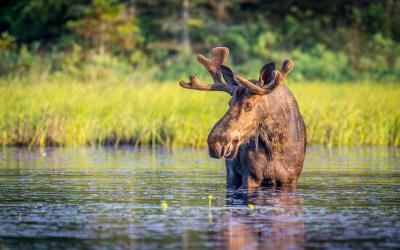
point(277, 221)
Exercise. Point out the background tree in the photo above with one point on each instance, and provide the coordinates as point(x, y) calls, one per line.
point(350, 38)
point(107, 25)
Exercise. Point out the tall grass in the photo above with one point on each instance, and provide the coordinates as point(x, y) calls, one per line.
point(62, 110)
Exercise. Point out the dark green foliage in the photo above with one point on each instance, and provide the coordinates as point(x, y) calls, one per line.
point(38, 20)
point(333, 40)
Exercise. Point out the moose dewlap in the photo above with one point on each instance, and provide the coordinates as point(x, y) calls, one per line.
point(262, 136)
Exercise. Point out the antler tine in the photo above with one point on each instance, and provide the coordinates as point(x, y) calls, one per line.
point(196, 84)
point(257, 90)
point(287, 66)
point(278, 77)
point(219, 55)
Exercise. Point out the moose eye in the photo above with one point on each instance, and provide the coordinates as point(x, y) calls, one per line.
point(247, 106)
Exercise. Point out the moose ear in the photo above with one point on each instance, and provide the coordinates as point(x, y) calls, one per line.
point(266, 75)
point(228, 75)
point(287, 67)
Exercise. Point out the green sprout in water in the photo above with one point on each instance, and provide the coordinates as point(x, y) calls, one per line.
point(210, 197)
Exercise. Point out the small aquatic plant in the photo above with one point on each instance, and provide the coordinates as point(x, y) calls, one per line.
point(210, 198)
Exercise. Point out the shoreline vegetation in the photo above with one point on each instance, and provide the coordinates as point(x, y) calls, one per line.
point(62, 110)
point(106, 72)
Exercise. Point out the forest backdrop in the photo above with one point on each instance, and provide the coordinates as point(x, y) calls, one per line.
point(330, 40)
point(67, 66)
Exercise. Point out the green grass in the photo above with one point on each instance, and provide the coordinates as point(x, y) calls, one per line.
point(60, 110)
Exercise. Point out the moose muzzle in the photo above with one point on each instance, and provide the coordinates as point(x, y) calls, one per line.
point(217, 146)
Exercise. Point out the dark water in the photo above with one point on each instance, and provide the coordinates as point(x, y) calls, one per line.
point(111, 199)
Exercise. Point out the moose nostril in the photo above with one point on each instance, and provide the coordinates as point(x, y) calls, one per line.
point(235, 141)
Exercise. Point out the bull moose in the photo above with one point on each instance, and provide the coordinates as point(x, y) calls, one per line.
point(262, 136)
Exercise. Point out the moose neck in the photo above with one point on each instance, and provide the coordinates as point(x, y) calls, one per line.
point(268, 139)
point(272, 133)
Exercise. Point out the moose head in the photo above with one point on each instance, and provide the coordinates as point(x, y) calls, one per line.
point(248, 105)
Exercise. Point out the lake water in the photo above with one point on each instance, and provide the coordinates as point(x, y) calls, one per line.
point(111, 198)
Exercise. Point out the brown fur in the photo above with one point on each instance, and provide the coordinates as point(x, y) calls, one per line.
point(262, 136)
point(273, 139)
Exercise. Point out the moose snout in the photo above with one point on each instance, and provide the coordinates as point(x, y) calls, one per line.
point(217, 146)
point(216, 150)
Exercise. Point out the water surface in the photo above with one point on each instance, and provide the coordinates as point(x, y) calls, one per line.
point(111, 198)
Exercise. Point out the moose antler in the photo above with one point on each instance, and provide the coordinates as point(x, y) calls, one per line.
point(278, 77)
point(219, 55)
